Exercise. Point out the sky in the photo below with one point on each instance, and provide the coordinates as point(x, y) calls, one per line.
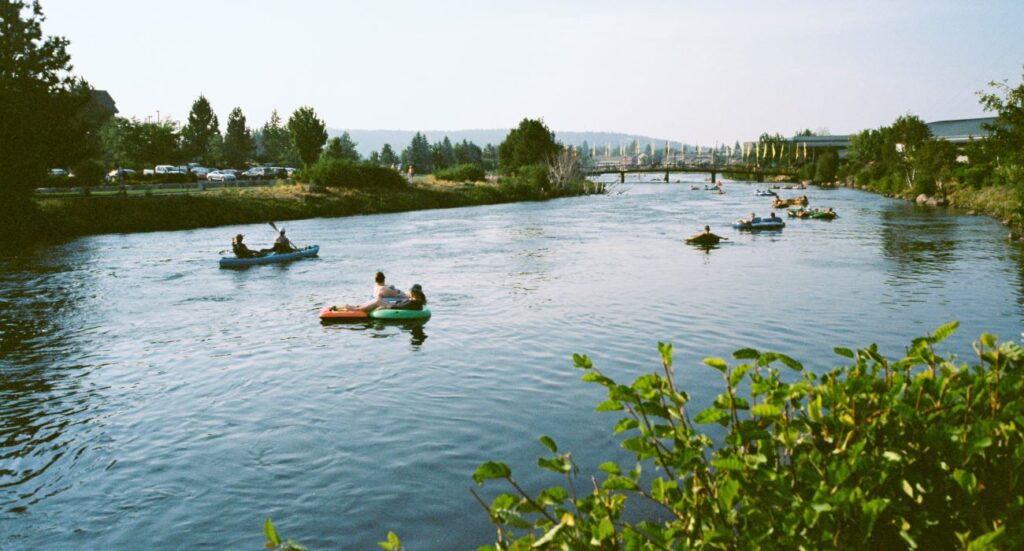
point(696, 72)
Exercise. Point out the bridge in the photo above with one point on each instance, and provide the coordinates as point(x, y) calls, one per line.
point(759, 172)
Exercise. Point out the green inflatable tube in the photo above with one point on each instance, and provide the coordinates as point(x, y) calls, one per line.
point(388, 314)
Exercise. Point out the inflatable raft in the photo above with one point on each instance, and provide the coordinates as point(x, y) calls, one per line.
point(758, 224)
point(233, 262)
point(704, 239)
point(340, 313)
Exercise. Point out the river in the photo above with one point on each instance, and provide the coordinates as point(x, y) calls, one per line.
point(149, 399)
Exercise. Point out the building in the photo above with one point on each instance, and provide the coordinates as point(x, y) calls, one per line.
point(956, 131)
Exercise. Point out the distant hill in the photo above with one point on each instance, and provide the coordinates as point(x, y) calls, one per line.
point(368, 141)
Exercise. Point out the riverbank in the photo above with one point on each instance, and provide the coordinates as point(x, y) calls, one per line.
point(66, 217)
point(1000, 202)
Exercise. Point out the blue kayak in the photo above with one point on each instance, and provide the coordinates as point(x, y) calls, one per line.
point(232, 262)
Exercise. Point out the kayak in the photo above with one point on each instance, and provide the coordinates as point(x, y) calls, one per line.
point(703, 239)
point(760, 224)
point(341, 313)
point(233, 262)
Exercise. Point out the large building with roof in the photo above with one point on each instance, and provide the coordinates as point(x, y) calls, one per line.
point(956, 131)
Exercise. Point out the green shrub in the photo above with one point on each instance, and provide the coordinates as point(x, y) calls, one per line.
point(88, 173)
point(461, 173)
point(920, 452)
point(346, 173)
point(533, 177)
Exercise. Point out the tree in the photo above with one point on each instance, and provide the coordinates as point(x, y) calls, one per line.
point(388, 157)
point(528, 144)
point(933, 165)
point(197, 136)
point(909, 132)
point(308, 134)
point(443, 154)
point(239, 146)
point(418, 155)
point(341, 148)
point(273, 141)
point(1006, 138)
point(150, 143)
point(826, 166)
point(41, 106)
point(469, 153)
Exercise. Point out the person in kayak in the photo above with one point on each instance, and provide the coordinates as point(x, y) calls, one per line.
point(242, 250)
point(282, 244)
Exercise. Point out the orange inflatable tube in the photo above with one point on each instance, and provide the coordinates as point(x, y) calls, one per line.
point(342, 313)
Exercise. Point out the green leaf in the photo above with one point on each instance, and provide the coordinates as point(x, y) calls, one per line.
point(746, 354)
point(892, 456)
point(727, 493)
point(581, 362)
point(557, 465)
point(609, 405)
point(626, 423)
point(988, 541)
point(491, 470)
point(605, 529)
point(712, 415)
point(549, 443)
point(946, 330)
point(393, 544)
point(737, 374)
point(790, 362)
point(727, 464)
point(988, 340)
point(271, 533)
point(821, 507)
point(766, 410)
point(978, 444)
point(717, 363)
point(610, 467)
point(549, 536)
point(844, 352)
point(908, 489)
point(620, 483)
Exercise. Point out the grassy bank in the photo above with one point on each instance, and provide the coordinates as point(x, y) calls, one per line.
point(1000, 202)
point(64, 217)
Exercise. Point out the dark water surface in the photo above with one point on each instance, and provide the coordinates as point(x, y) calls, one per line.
point(150, 400)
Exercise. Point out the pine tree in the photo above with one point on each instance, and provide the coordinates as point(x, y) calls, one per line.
point(197, 137)
point(308, 134)
point(239, 146)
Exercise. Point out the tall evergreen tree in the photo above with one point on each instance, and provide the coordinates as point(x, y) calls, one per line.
point(418, 155)
point(239, 146)
point(197, 137)
point(341, 148)
point(274, 141)
point(388, 157)
point(308, 134)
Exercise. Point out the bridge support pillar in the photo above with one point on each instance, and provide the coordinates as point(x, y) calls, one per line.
point(622, 177)
point(666, 176)
point(712, 177)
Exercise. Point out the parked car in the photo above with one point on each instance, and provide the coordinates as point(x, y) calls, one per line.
point(167, 169)
point(278, 172)
point(201, 172)
point(290, 171)
point(254, 173)
point(113, 177)
point(58, 172)
point(221, 176)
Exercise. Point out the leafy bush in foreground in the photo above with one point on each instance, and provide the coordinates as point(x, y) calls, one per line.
point(461, 173)
point(919, 452)
point(345, 173)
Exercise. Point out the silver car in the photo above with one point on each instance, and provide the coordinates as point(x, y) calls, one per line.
point(221, 176)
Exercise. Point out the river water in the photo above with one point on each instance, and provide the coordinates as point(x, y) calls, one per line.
point(149, 399)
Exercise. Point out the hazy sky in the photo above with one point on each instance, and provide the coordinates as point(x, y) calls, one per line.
point(690, 71)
